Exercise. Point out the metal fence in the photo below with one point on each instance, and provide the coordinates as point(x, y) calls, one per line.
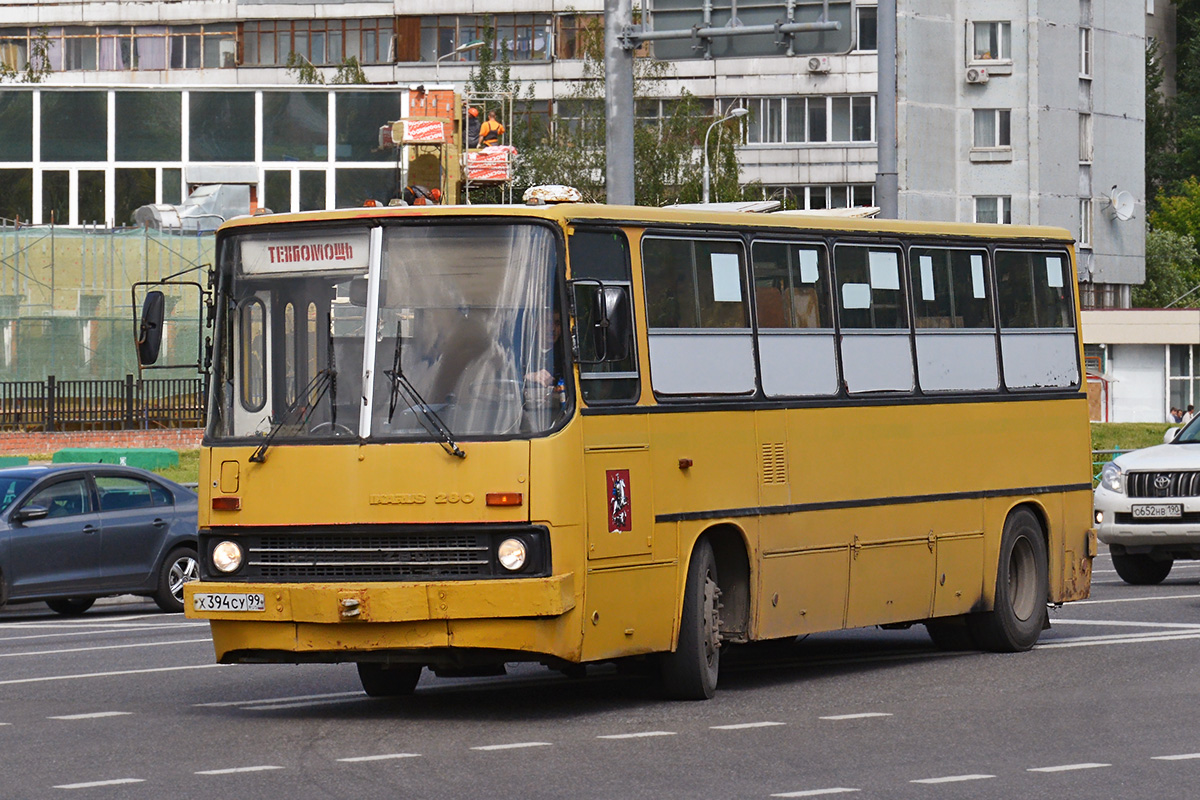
point(129, 404)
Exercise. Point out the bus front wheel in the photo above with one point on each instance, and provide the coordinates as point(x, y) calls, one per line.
point(389, 680)
point(690, 673)
point(1019, 615)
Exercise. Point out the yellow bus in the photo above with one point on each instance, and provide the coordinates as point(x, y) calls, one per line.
point(458, 437)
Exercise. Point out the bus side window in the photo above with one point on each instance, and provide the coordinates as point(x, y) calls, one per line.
point(602, 255)
point(698, 312)
point(876, 352)
point(1038, 346)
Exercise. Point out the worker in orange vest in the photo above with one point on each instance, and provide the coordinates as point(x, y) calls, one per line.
point(490, 131)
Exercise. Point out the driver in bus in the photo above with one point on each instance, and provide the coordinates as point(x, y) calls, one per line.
point(545, 376)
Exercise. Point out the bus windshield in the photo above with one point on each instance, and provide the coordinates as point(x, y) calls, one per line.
point(462, 319)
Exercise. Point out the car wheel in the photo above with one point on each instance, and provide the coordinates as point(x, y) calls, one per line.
point(71, 606)
point(389, 680)
point(1142, 569)
point(1019, 615)
point(691, 671)
point(179, 567)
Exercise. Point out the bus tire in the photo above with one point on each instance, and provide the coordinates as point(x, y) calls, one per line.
point(1020, 614)
point(1140, 569)
point(690, 672)
point(389, 680)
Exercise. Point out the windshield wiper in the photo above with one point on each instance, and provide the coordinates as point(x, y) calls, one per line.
point(322, 382)
point(428, 418)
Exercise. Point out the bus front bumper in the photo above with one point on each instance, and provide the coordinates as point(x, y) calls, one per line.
point(340, 620)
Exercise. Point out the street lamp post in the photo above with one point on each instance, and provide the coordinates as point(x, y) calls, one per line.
point(733, 114)
point(462, 48)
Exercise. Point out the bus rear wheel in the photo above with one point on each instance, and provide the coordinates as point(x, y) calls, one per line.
point(690, 673)
point(389, 680)
point(1141, 570)
point(1019, 615)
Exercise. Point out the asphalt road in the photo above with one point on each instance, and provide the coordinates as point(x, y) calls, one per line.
point(124, 702)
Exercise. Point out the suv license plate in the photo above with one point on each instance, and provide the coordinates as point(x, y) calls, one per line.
point(1164, 511)
point(228, 602)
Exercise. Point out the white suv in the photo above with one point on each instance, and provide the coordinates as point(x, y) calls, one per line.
point(1147, 506)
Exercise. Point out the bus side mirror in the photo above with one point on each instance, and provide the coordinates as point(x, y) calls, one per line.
point(603, 322)
point(150, 329)
point(618, 332)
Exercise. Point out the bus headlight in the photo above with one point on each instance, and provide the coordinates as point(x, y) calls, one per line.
point(227, 556)
point(1112, 478)
point(512, 554)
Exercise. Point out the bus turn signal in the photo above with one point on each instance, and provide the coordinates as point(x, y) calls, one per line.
point(227, 504)
point(504, 498)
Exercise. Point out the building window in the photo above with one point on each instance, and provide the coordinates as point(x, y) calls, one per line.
point(990, 41)
point(146, 47)
point(1085, 222)
point(1183, 375)
point(1085, 52)
point(867, 21)
point(820, 197)
point(320, 42)
point(993, 127)
point(577, 33)
point(811, 120)
point(1085, 138)
point(993, 209)
point(525, 37)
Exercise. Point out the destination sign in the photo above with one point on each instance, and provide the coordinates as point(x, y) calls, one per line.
point(343, 251)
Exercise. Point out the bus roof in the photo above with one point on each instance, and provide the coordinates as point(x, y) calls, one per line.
point(644, 215)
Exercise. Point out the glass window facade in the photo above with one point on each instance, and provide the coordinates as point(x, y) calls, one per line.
point(74, 126)
point(222, 126)
point(148, 126)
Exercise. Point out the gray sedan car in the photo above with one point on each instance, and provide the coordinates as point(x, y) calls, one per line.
point(71, 533)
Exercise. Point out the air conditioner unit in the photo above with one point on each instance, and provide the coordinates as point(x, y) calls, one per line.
point(818, 64)
point(977, 75)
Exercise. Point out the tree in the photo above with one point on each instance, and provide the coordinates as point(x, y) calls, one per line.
point(1179, 212)
point(37, 68)
point(570, 149)
point(1161, 158)
point(1171, 269)
point(349, 71)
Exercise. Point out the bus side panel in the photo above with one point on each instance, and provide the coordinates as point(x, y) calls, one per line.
point(628, 611)
point(802, 592)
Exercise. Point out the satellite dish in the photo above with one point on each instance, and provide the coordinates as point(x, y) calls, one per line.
point(1120, 204)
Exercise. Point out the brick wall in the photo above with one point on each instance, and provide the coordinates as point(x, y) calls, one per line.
point(18, 443)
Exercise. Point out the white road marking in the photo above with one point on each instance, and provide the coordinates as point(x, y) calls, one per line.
point(95, 715)
point(293, 699)
point(1126, 624)
point(953, 779)
point(1134, 599)
point(384, 757)
point(207, 640)
point(858, 716)
point(641, 735)
point(232, 770)
point(1068, 767)
point(92, 632)
point(745, 725)
point(361, 698)
point(1180, 757)
point(513, 746)
point(93, 784)
point(1091, 641)
point(816, 792)
point(113, 674)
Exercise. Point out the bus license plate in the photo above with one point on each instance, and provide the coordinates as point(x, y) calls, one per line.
point(1162, 511)
point(228, 602)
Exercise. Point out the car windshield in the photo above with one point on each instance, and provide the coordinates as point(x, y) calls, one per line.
point(1190, 433)
point(11, 489)
point(464, 344)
